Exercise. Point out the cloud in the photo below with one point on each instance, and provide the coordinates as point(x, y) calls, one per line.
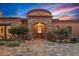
point(65, 17)
point(64, 10)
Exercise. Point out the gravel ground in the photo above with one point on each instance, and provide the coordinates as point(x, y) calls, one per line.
point(41, 47)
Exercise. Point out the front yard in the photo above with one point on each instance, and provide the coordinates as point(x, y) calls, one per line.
point(41, 47)
point(57, 43)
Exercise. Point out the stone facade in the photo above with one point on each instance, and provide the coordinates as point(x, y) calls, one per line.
point(34, 18)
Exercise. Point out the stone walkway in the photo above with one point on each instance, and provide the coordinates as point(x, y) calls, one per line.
point(41, 47)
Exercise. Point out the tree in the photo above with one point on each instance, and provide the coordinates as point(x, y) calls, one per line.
point(18, 31)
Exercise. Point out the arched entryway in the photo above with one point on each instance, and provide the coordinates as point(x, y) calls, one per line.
point(39, 30)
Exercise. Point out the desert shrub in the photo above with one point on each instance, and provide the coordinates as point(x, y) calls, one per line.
point(74, 40)
point(18, 31)
point(63, 33)
point(12, 43)
point(50, 35)
point(57, 40)
point(2, 42)
point(27, 37)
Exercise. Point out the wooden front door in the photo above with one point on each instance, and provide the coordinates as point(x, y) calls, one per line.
point(39, 30)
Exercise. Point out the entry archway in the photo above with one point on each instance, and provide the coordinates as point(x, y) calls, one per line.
point(39, 30)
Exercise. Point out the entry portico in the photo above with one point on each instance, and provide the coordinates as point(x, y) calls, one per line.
point(39, 20)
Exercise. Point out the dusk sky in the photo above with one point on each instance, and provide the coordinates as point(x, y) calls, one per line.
point(57, 9)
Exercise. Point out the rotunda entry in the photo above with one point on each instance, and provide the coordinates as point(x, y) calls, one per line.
point(39, 30)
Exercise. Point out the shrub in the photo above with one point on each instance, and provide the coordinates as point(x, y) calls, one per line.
point(12, 43)
point(49, 36)
point(9, 43)
point(2, 42)
point(63, 33)
point(74, 40)
point(57, 40)
point(18, 31)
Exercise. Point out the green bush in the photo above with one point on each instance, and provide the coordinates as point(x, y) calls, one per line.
point(74, 40)
point(18, 31)
point(9, 43)
point(57, 40)
point(63, 33)
point(12, 43)
point(2, 42)
point(49, 36)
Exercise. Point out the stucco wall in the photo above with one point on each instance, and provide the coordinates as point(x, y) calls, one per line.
point(47, 20)
point(75, 27)
point(4, 21)
point(13, 21)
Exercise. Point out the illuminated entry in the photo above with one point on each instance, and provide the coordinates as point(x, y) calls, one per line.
point(39, 28)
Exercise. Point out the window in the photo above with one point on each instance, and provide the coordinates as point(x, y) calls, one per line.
point(2, 30)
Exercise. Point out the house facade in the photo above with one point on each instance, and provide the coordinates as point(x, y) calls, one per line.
point(39, 22)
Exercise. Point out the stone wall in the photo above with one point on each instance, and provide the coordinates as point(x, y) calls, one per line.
point(35, 20)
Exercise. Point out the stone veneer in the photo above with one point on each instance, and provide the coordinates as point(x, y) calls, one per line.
point(39, 16)
point(35, 20)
